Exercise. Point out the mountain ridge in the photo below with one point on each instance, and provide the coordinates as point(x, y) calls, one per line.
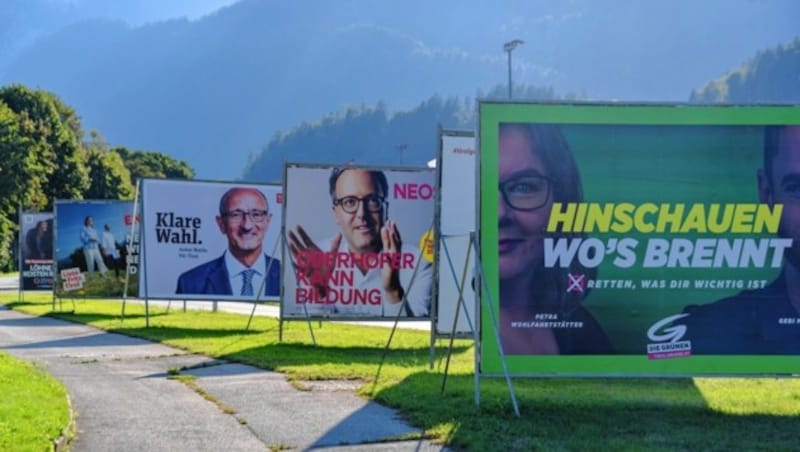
point(223, 84)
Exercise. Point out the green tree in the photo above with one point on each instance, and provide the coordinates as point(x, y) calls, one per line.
point(155, 165)
point(14, 185)
point(41, 156)
point(55, 131)
point(22, 174)
point(109, 178)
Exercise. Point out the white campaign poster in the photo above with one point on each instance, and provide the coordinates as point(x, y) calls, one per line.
point(353, 238)
point(456, 222)
point(210, 240)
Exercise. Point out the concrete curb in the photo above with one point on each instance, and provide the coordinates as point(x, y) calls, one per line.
point(61, 444)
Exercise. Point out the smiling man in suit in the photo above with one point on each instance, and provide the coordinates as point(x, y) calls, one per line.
point(360, 210)
point(243, 218)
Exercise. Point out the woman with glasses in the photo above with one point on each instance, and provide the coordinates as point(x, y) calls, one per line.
point(539, 314)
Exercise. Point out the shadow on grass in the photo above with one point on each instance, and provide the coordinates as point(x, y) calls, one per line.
point(93, 317)
point(269, 354)
point(22, 303)
point(70, 314)
point(73, 313)
point(276, 354)
point(259, 345)
point(163, 333)
point(580, 414)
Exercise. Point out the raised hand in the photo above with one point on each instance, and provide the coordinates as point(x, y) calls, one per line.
point(316, 271)
point(390, 274)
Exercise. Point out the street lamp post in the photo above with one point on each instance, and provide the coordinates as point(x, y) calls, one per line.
point(508, 47)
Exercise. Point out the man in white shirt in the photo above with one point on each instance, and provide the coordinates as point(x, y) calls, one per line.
point(240, 272)
point(110, 251)
point(369, 272)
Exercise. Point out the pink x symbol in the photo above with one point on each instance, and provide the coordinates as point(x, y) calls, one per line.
point(576, 283)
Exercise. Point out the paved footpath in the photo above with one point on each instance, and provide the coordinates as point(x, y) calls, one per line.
point(124, 401)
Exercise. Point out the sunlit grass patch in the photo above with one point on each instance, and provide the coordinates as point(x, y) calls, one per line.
point(33, 408)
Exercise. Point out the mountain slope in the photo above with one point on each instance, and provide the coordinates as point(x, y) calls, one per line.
point(212, 90)
point(772, 76)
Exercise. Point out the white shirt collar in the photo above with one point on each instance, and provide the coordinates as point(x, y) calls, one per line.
point(235, 267)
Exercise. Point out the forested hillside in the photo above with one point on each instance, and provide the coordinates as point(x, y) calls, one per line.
point(772, 76)
point(371, 135)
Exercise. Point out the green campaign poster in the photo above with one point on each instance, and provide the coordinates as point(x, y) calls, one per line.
point(639, 239)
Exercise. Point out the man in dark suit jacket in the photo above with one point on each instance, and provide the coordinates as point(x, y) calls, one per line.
point(244, 219)
point(213, 278)
point(764, 321)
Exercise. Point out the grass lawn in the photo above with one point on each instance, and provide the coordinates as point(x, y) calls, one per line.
point(557, 413)
point(33, 406)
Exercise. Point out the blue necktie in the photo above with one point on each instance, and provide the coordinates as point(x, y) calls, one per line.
point(247, 283)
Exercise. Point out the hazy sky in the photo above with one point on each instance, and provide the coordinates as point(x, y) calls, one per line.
point(258, 57)
point(136, 12)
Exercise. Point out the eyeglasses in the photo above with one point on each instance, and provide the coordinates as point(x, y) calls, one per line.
point(525, 193)
point(372, 203)
point(238, 216)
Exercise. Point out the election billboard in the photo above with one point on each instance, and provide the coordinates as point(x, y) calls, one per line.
point(639, 239)
point(36, 250)
point(210, 240)
point(456, 216)
point(354, 242)
point(93, 248)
